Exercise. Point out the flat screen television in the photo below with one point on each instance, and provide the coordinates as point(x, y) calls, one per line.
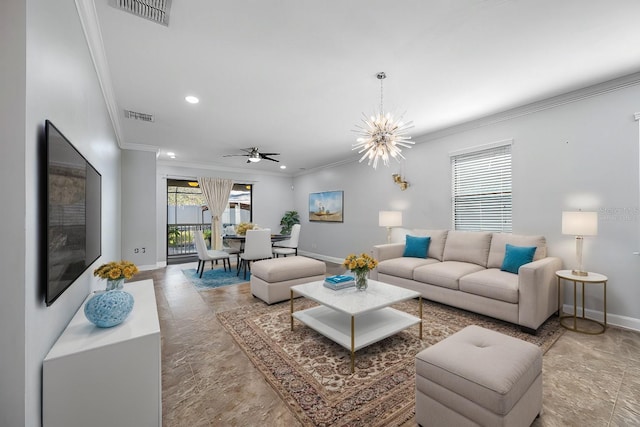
point(73, 193)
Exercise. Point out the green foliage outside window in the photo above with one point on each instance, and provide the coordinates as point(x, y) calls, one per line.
point(173, 236)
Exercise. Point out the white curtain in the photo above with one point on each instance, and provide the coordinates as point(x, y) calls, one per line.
point(216, 192)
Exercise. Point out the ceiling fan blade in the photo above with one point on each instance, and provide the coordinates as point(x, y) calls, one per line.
point(255, 155)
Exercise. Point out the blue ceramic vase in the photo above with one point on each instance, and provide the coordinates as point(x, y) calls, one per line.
point(107, 309)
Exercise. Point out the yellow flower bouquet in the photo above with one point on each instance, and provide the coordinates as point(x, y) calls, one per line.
point(115, 272)
point(360, 265)
point(241, 229)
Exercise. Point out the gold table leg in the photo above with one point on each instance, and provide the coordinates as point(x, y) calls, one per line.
point(603, 325)
point(575, 307)
point(559, 300)
point(353, 344)
point(605, 304)
point(420, 299)
point(583, 300)
point(292, 309)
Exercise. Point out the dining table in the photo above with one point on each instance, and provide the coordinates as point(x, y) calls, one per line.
point(243, 238)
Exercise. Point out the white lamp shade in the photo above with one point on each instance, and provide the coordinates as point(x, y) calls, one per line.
point(580, 223)
point(390, 219)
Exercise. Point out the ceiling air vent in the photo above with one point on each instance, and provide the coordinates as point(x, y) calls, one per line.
point(153, 10)
point(128, 114)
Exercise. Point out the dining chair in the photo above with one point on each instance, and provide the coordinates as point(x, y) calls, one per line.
point(289, 246)
point(205, 254)
point(257, 246)
point(232, 248)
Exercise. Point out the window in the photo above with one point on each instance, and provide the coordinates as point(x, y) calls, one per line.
point(481, 189)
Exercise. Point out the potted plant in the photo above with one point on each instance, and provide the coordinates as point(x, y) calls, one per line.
point(207, 237)
point(288, 220)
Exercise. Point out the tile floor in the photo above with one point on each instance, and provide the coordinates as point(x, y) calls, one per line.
point(208, 381)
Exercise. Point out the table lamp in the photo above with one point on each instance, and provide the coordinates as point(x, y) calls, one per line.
point(389, 219)
point(579, 224)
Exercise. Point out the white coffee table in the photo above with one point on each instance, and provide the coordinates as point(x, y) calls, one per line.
point(355, 319)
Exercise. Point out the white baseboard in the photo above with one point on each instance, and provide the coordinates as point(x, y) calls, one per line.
point(159, 264)
point(612, 319)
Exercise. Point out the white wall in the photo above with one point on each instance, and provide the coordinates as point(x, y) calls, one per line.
point(47, 74)
point(138, 207)
point(12, 252)
point(577, 155)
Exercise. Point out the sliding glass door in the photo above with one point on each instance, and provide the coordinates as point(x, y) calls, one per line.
point(187, 213)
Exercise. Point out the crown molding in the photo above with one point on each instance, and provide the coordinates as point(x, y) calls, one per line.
point(535, 107)
point(140, 147)
point(218, 168)
point(93, 35)
point(327, 166)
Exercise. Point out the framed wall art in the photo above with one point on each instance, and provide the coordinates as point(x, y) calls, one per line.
point(326, 206)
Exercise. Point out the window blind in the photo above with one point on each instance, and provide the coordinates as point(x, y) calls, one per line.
point(481, 190)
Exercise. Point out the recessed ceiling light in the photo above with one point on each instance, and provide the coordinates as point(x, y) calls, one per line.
point(283, 167)
point(191, 99)
point(171, 154)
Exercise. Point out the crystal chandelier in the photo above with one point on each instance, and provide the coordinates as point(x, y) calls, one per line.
point(382, 136)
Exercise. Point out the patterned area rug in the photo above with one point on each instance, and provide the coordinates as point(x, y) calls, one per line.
point(313, 376)
point(214, 278)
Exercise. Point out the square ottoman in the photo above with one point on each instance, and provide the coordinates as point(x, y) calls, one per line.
point(479, 377)
point(271, 279)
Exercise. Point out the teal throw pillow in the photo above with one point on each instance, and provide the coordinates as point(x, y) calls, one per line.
point(517, 256)
point(416, 247)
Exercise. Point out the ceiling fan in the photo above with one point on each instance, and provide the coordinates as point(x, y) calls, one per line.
point(254, 155)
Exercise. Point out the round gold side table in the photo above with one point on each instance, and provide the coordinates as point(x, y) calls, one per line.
point(592, 278)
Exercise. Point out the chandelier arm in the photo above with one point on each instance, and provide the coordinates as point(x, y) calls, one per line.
point(363, 157)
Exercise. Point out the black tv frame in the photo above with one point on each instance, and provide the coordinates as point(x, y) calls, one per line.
point(72, 214)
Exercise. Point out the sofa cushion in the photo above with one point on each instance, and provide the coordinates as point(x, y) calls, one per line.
point(445, 274)
point(467, 246)
point(403, 267)
point(416, 247)
point(492, 283)
point(438, 239)
point(517, 256)
point(500, 240)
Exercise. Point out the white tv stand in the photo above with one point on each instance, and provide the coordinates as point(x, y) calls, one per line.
point(106, 377)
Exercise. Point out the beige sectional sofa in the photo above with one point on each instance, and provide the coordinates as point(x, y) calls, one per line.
point(463, 269)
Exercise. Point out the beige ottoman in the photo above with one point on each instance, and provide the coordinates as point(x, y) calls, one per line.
point(479, 377)
point(272, 278)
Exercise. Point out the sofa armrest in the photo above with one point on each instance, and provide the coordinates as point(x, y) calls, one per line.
point(384, 252)
point(538, 291)
point(388, 251)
